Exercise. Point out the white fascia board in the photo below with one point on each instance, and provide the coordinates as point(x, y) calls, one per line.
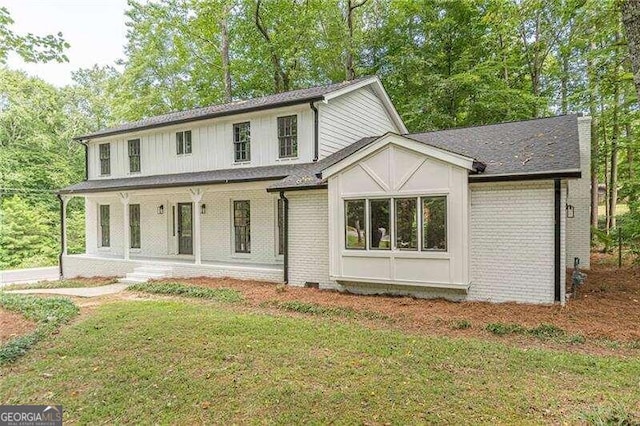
point(382, 94)
point(428, 150)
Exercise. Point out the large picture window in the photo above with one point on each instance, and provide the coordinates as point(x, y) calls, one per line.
point(105, 159)
point(288, 136)
point(434, 223)
point(419, 223)
point(134, 155)
point(355, 231)
point(183, 142)
point(242, 226)
point(105, 233)
point(380, 224)
point(406, 212)
point(242, 142)
point(134, 226)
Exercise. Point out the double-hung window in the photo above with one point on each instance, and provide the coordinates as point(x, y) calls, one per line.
point(242, 142)
point(134, 226)
point(183, 142)
point(242, 226)
point(288, 136)
point(419, 223)
point(105, 159)
point(105, 240)
point(134, 155)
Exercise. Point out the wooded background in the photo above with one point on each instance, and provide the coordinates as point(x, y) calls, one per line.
point(445, 63)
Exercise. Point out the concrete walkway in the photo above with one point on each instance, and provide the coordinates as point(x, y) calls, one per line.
point(80, 292)
point(31, 275)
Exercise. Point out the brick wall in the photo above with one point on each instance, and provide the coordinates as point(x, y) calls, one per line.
point(512, 242)
point(309, 238)
point(579, 196)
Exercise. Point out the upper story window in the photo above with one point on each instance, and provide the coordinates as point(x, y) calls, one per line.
point(134, 155)
point(288, 136)
point(183, 142)
point(242, 141)
point(105, 159)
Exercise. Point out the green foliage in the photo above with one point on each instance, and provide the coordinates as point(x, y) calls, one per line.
point(331, 311)
point(501, 329)
point(60, 284)
point(49, 313)
point(178, 289)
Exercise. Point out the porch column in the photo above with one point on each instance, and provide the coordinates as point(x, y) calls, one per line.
point(124, 198)
point(63, 222)
point(196, 197)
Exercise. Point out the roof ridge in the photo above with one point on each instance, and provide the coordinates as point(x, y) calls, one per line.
point(472, 126)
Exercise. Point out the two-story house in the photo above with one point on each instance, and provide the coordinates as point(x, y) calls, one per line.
point(325, 187)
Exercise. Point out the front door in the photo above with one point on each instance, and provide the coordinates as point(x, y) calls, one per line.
point(185, 228)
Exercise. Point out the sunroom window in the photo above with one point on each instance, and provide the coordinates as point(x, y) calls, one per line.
point(355, 232)
point(406, 223)
point(434, 223)
point(380, 224)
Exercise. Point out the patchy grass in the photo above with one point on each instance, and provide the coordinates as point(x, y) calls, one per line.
point(461, 324)
point(88, 282)
point(331, 311)
point(542, 332)
point(178, 289)
point(171, 361)
point(49, 313)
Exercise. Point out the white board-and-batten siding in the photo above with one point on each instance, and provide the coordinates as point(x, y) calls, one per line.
point(351, 117)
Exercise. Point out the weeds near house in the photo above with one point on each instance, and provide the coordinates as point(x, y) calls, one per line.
point(317, 309)
point(501, 329)
point(461, 324)
point(542, 332)
point(178, 289)
point(61, 284)
point(49, 313)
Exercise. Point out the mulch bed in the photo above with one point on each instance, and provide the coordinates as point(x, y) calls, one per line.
point(607, 307)
point(13, 325)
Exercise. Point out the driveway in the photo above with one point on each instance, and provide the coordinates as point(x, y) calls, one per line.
point(31, 275)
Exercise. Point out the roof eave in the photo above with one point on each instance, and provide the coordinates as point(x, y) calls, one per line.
point(199, 118)
point(509, 177)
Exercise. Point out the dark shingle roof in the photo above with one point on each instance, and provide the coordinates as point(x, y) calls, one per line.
point(292, 97)
point(519, 149)
point(516, 148)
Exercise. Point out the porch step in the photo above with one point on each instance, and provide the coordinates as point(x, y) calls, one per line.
point(142, 274)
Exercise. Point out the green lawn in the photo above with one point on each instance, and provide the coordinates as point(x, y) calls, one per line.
point(207, 362)
point(60, 284)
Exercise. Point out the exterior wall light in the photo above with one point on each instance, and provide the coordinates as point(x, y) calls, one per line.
point(161, 209)
point(203, 209)
point(570, 211)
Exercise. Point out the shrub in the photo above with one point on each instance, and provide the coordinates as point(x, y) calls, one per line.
point(501, 329)
point(547, 331)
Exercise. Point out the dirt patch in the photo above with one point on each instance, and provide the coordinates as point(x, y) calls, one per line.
point(13, 325)
point(607, 306)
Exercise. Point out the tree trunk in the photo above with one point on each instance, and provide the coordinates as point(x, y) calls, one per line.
point(224, 51)
point(349, 65)
point(594, 140)
point(630, 160)
point(615, 136)
point(606, 173)
point(631, 21)
point(564, 81)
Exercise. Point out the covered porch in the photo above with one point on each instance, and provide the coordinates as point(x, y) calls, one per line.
point(219, 230)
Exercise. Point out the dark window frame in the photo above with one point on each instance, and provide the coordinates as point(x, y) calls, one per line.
point(242, 226)
point(104, 211)
point(364, 224)
point(133, 146)
point(105, 158)
point(135, 235)
point(184, 142)
point(445, 224)
point(288, 136)
point(242, 142)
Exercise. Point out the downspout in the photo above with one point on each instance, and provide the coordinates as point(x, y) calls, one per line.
point(557, 213)
point(62, 241)
point(285, 207)
point(316, 146)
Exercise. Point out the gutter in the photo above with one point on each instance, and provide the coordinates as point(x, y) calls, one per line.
point(316, 146)
point(528, 176)
point(556, 238)
point(62, 239)
point(285, 268)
